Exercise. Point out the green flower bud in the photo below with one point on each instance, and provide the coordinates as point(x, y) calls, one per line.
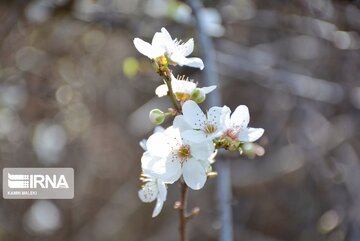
point(248, 149)
point(198, 95)
point(156, 116)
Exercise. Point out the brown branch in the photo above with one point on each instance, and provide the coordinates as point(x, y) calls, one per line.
point(182, 211)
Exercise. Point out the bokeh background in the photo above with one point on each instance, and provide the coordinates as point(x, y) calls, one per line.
point(75, 93)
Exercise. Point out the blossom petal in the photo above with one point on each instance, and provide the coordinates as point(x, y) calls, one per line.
point(146, 48)
point(202, 151)
point(152, 164)
point(166, 35)
point(175, 175)
point(158, 40)
point(183, 86)
point(148, 193)
point(158, 207)
point(213, 115)
point(208, 89)
point(251, 134)
point(162, 190)
point(173, 135)
point(194, 174)
point(194, 136)
point(161, 90)
point(227, 120)
point(167, 170)
point(193, 114)
point(241, 116)
point(181, 123)
point(193, 62)
point(188, 47)
point(206, 164)
point(158, 144)
point(142, 144)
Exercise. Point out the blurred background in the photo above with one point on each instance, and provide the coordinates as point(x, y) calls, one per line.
point(74, 92)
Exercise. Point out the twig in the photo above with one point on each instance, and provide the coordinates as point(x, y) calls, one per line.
point(165, 73)
point(211, 78)
point(182, 211)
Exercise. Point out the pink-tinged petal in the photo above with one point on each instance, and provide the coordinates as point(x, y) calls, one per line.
point(188, 47)
point(241, 116)
point(194, 174)
point(158, 144)
point(161, 90)
point(158, 207)
point(148, 193)
point(193, 114)
point(194, 136)
point(181, 123)
point(202, 151)
point(208, 89)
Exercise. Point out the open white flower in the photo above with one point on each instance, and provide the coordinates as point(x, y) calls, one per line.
point(153, 50)
point(182, 88)
point(175, 50)
point(236, 125)
point(153, 188)
point(198, 127)
point(169, 156)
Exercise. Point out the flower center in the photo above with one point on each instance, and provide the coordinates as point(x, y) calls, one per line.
point(184, 151)
point(232, 133)
point(209, 128)
point(182, 96)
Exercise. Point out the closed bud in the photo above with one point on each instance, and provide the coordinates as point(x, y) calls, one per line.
point(198, 95)
point(248, 149)
point(156, 116)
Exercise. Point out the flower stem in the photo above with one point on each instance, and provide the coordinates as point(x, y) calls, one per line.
point(166, 75)
point(182, 211)
point(172, 95)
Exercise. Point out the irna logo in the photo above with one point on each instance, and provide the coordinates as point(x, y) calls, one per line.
point(37, 181)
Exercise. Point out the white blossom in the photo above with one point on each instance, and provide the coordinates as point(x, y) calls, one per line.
point(182, 87)
point(199, 127)
point(175, 50)
point(236, 125)
point(169, 156)
point(154, 188)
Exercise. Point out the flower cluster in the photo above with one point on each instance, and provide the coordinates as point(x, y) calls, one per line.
point(185, 150)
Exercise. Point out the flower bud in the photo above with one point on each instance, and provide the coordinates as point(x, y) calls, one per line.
point(248, 149)
point(198, 95)
point(156, 116)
